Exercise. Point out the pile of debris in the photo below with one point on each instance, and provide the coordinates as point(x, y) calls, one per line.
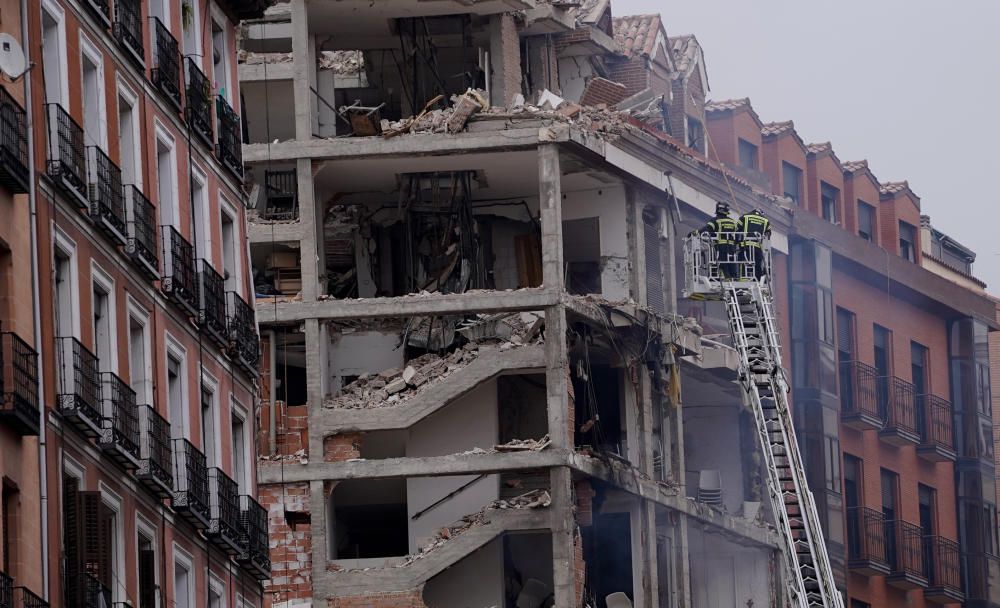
point(298, 456)
point(445, 120)
point(342, 62)
point(524, 445)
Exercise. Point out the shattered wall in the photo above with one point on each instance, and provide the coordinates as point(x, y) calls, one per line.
point(607, 204)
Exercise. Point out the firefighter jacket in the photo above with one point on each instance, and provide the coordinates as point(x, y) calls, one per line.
point(754, 226)
point(722, 229)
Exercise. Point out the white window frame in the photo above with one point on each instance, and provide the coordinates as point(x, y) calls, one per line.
point(59, 16)
point(146, 528)
point(211, 384)
point(182, 557)
point(68, 466)
point(236, 410)
point(102, 280)
point(89, 51)
point(67, 247)
point(132, 99)
point(141, 315)
point(203, 246)
point(113, 501)
point(219, 16)
point(216, 585)
point(174, 349)
point(163, 136)
point(199, 39)
point(227, 208)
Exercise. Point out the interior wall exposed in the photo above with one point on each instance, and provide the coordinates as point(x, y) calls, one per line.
point(367, 520)
point(361, 352)
point(522, 407)
point(608, 205)
point(726, 574)
point(476, 580)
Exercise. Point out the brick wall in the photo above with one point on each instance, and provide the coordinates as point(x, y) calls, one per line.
point(510, 60)
point(341, 447)
point(384, 599)
point(633, 73)
point(571, 399)
point(291, 547)
point(579, 567)
point(603, 91)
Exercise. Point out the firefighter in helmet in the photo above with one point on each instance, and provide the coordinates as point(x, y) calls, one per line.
point(752, 228)
point(723, 230)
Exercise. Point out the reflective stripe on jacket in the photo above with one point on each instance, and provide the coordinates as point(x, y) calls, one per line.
point(755, 226)
point(721, 225)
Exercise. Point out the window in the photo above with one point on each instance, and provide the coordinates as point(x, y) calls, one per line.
point(139, 364)
point(111, 525)
point(146, 551)
point(927, 499)
point(918, 368)
point(130, 151)
point(829, 198)
point(9, 501)
point(240, 442)
point(695, 134)
point(166, 180)
point(209, 436)
point(907, 242)
point(92, 94)
point(853, 482)
point(230, 246)
point(54, 54)
point(890, 490)
point(220, 60)
point(831, 446)
point(866, 221)
point(66, 296)
point(176, 394)
point(791, 179)
point(748, 155)
point(199, 203)
point(103, 308)
point(846, 345)
point(190, 25)
point(183, 580)
point(883, 367)
point(216, 593)
point(161, 10)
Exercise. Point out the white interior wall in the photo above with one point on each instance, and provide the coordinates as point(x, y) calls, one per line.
point(469, 422)
point(477, 580)
point(607, 204)
point(574, 73)
point(727, 574)
point(356, 353)
point(712, 441)
point(268, 114)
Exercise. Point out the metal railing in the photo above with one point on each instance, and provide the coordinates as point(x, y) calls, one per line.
point(211, 302)
point(26, 598)
point(67, 161)
point(253, 536)
point(141, 244)
point(859, 389)
point(155, 456)
point(934, 421)
point(13, 144)
point(281, 195)
point(198, 104)
point(904, 548)
point(100, 8)
point(243, 339)
point(95, 593)
point(942, 563)
point(230, 145)
point(866, 536)
point(225, 508)
point(107, 197)
point(900, 412)
point(6, 590)
point(19, 383)
point(79, 385)
point(127, 28)
point(166, 72)
point(707, 263)
point(178, 280)
point(121, 430)
point(190, 481)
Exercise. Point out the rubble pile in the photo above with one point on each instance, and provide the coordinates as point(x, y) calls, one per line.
point(252, 58)
point(342, 62)
point(524, 445)
point(298, 456)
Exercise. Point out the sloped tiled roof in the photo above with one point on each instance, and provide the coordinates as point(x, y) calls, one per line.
point(727, 104)
point(636, 34)
point(894, 187)
point(819, 148)
point(777, 128)
point(685, 53)
point(854, 166)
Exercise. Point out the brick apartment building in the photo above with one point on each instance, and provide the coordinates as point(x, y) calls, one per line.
point(124, 241)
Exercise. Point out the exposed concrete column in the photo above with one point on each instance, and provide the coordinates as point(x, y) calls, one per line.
point(311, 221)
point(636, 237)
point(550, 204)
point(317, 530)
point(303, 71)
point(649, 571)
point(316, 372)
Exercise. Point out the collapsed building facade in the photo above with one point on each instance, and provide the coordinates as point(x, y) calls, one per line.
point(466, 243)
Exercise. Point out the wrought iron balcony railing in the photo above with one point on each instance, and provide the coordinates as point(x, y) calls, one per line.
point(120, 439)
point(166, 73)
point(127, 29)
point(141, 244)
point(899, 412)
point(866, 542)
point(13, 144)
point(212, 303)
point(80, 387)
point(224, 525)
point(244, 343)
point(6, 590)
point(95, 593)
point(859, 395)
point(937, 441)
point(155, 456)
point(178, 280)
point(191, 496)
point(229, 148)
point(19, 384)
point(25, 598)
point(254, 553)
point(100, 9)
point(107, 197)
point(904, 552)
point(281, 194)
point(67, 160)
point(198, 104)
point(943, 570)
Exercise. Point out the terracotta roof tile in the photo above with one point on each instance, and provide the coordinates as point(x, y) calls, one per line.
point(636, 34)
point(727, 104)
point(818, 148)
point(685, 53)
point(777, 128)
point(855, 165)
point(894, 187)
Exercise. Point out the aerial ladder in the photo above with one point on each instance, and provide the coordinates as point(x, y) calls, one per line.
point(750, 309)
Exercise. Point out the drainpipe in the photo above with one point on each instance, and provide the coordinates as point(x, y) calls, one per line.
point(35, 304)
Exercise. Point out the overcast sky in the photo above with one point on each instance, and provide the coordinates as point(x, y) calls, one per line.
point(913, 86)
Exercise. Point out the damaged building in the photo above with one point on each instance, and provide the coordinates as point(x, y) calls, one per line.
point(476, 364)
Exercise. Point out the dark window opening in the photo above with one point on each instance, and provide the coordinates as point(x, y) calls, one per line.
point(866, 221)
point(883, 367)
point(521, 402)
point(599, 415)
point(748, 155)
point(147, 572)
point(290, 367)
point(907, 242)
point(582, 255)
point(10, 502)
point(368, 519)
point(890, 493)
point(791, 177)
point(607, 552)
point(829, 199)
point(695, 134)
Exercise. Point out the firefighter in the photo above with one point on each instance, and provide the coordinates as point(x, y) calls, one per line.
point(723, 231)
point(752, 228)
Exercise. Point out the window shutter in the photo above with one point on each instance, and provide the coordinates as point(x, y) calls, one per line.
point(105, 547)
point(845, 332)
point(72, 530)
point(654, 270)
point(147, 578)
point(91, 542)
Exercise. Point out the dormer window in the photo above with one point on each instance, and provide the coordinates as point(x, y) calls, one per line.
point(907, 242)
point(748, 155)
point(866, 221)
point(695, 134)
point(828, 199)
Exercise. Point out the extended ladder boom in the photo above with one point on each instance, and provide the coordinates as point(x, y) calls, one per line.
point(755, 338)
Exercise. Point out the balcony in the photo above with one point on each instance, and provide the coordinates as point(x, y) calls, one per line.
point(25, 598)
point(937, 443)
point(199, 102)
point(67, 162)
point(6, 590)
point(155, 460)
point(224, 525)
point(212, 303)
point(18, 384)
point(859, 396)
point(866, 542)
point(178, 280)
point(190, 498)
point(79, 391)
point(166, 72)
point(100, 9)
point(244, 344)
point(254, 554)
point(13, 144)
point(281, 193)
point(899, 412)
point(943, 571)
point(95, 594)
point(107, 197)
point(127, 29)
point(141, 243)
point(230, 145)
point(120, 440)
point(904, 552)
